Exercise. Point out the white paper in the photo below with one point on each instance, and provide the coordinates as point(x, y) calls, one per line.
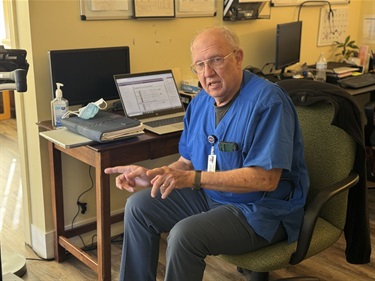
point(154, 8)
point(109, 5)
point(369, 30)
point(197, 6)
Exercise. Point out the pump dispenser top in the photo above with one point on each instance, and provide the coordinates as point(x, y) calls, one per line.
point(58, 91)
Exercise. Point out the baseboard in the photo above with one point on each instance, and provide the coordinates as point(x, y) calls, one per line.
point(42, 243)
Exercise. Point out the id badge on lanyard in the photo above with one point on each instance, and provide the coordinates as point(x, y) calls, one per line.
point(211, 163)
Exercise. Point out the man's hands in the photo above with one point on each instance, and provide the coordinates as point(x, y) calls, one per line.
point(180, 174)
point(131, 176)
point(164, 179)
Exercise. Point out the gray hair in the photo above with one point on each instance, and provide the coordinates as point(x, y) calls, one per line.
point(230, 36)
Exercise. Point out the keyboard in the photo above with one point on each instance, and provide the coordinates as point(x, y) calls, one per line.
point(164, 122)
point(357, 82)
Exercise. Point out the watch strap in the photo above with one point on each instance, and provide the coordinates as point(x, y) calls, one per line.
point(197, 180)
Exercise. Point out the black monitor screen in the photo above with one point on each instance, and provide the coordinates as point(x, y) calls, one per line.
point(87, 74)
point(288, 44)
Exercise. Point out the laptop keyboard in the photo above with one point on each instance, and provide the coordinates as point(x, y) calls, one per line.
point(360, 81)
point(164, 122)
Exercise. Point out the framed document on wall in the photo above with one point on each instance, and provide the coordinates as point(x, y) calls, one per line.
point(154, 8)
point(106, 9)
point(195, 8)
point(299, 2)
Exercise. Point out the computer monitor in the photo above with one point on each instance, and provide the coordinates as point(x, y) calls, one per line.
point(288, 44)
point(87, 74)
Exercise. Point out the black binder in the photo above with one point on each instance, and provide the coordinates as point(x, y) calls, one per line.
point(104, 127)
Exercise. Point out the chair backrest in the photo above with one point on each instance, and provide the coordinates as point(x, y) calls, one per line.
point(329, 155)
point(323, 110)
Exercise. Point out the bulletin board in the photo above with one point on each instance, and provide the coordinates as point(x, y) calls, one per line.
point(299, 2)
point(133, 9)
point(106, 9)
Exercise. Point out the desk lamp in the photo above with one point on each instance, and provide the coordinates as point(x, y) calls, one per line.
point(13, 71)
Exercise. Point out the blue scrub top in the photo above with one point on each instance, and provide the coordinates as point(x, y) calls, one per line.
point(263, 123)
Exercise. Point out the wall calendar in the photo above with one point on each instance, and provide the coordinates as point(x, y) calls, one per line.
point(332, 26)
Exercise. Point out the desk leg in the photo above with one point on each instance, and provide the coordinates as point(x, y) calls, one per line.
point(103, 217)
point(57, 199)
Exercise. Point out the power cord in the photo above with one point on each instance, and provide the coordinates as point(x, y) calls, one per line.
point(39, 258)
point(82, 207)
point(272, 64)
point(323, 1)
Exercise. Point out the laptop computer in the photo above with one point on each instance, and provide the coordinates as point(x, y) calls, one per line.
point(65, 138)
point(153, 99)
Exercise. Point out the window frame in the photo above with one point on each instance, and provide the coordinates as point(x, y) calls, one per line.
point(8, 21)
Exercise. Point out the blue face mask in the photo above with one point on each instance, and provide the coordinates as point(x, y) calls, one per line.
point(89, 111)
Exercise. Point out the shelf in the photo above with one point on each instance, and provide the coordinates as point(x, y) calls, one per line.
point(236, 10)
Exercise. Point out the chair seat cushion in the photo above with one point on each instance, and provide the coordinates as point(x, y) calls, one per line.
point(277, 256)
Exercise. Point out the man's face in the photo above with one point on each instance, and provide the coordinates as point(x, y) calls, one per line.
point(222, 82)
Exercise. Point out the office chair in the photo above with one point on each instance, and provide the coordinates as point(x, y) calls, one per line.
point(330, 154)
point(370, 140)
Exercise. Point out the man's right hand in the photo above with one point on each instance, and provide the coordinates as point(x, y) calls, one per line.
point(130, 177)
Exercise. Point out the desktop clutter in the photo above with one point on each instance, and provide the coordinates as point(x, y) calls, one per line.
point(344, 74)
point(189, 89)
point(98, 124)
point(91, 121)
point(354, 73)
point(151, 101)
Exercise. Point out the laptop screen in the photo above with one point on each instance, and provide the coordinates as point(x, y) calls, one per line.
point(148, 94)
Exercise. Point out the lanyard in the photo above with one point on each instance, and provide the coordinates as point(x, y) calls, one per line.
point(211, 163)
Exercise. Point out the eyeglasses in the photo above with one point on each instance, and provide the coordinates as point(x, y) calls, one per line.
point(213, 63)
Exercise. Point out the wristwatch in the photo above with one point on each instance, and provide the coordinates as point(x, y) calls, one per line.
point(197, 180)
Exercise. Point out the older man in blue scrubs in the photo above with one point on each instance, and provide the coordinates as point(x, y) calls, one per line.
point(240, 183)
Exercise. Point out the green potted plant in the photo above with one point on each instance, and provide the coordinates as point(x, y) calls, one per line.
point(348, 49)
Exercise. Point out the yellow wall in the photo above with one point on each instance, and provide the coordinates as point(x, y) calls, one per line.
point(154, 44)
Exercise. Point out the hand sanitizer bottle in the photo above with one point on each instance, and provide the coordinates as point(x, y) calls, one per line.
point(59, 106)
point(321, 67)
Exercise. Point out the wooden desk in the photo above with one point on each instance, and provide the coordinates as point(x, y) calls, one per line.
point(360, 91)
point(99, 156)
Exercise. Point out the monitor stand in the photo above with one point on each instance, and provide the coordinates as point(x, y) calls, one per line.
point(286, 75)
point(117, 105)
point(275, 77)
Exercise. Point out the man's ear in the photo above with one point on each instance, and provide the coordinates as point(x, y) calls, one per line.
point(239, 57)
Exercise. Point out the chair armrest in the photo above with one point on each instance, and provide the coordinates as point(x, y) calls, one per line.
point(369, 111)
point(369, 126)
point(312, 213)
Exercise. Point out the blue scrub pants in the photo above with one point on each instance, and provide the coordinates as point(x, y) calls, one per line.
point(197, 227)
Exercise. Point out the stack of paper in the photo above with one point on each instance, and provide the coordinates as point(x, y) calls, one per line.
point(342, 72)
point(338, 70)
